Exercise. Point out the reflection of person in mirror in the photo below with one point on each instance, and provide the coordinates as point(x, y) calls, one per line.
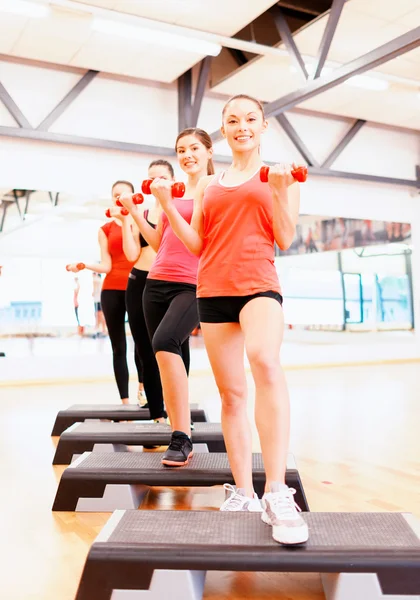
point(310, 242)
point(100, 325)
point(76, 291)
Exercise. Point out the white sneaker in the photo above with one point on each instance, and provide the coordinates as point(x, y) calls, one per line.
point(237, 501)
point(282, 513)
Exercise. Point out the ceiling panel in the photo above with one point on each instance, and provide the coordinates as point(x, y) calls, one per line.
point(11, 28)
point(225, 17)
point(111, 54)
point(267, 78)
point(55, 39)
point(387, 9)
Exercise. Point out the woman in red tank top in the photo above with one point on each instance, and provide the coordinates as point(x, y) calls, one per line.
point(236, 221)
point(169, 298)
point(117, 268)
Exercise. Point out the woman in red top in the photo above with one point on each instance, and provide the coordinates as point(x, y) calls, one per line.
point(117, 268)
point(236, 221)
point(169, 298)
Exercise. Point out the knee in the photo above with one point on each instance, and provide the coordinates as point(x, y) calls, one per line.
point(233, 399)
point(162, 342)
point(264, 365)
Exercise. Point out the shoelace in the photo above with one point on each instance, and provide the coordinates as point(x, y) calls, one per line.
point(177, 443)
point(235, 500)
point(285, 502)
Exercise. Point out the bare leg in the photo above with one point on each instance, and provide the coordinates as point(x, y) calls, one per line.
point(262, 323)
point(225, 347)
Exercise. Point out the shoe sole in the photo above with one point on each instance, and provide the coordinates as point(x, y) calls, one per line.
point(172, 463)
point(280, 538)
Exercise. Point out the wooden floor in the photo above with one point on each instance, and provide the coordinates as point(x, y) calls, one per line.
point(355, 438)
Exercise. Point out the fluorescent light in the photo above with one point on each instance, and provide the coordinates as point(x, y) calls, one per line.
point(155, 37)
point(361, 81)
point(368, 83)
point(27, 9)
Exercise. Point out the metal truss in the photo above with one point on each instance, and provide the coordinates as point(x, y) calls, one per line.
point(189, 109)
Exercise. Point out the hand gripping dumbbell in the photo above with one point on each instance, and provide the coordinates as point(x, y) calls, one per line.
point(137, 199)
point(80, 266)
point(300, 174)
point(178, 188)
point(124, 212)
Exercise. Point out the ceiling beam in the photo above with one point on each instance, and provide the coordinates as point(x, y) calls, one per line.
point(354, 129)
point(61, 138)
point(329, 31)
point(203, 78)
point(184, 100)
point(13, 108)
point(67, 100)
point(296, 140)
point(400, 45)
point(287, 39)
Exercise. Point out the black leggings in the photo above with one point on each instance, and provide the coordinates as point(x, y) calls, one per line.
point(151, 375)
point(171, 314)
point(113, 307)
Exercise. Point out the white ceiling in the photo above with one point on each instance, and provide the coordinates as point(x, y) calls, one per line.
point(66, 36)
point(364, 25)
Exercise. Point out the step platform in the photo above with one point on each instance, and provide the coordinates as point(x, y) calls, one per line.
point(82, 437)
point(164, 555)
point(103, 482)
point(111, 412)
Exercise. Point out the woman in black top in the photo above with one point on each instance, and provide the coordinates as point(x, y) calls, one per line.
point(137, 249)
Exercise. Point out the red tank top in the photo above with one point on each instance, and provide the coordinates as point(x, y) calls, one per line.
point(117, 278)
point(173, 261)
point(238, 251)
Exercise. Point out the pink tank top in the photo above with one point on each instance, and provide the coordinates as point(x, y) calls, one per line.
point(173, 261)
point(238, 251)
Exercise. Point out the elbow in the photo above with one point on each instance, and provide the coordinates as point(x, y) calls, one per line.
point(284, 243)
point(132, 256)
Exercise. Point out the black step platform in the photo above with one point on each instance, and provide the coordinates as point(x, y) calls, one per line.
point(89, 476)
point(82, 437)
point(111, 412)
point(135, 546)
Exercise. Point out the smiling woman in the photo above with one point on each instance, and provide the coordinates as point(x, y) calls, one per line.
point(169, 298)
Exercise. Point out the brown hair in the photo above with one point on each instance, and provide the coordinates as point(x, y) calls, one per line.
point(161, 162)
point(204, 138)
point(245, 97)
point(121, 181)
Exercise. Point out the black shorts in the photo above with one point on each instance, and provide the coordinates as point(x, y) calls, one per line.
point(98, 307)
point(226, 309)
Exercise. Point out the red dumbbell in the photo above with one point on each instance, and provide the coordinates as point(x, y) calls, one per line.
point(124, 212)
point(137, 199)
point(300, 174)
point(178, 188)
point(80, 267)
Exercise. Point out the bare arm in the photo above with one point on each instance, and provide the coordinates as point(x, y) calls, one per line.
point(131, 241)
point(152, 236)
point(191, 235)
point(286, 203)
point(105, 265)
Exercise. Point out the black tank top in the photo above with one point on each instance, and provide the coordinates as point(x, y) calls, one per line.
point(143, 242)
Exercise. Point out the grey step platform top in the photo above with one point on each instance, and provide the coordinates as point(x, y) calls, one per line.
point(97, 463)
point(240, 541)
point(110, 431)
point(117, 412)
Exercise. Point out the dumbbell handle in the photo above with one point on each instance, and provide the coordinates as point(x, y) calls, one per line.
point(137, 199)
point(178, 188)
point(80, 266)
point(300, 174)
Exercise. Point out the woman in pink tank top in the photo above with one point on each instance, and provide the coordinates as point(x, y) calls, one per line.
point(236, 221)
point(169, 298)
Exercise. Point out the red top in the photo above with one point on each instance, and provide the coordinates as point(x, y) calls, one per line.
point(173, 261)
point(238, 251)
point(117, 278)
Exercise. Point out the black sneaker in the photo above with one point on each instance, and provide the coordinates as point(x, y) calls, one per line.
point(179, 450)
